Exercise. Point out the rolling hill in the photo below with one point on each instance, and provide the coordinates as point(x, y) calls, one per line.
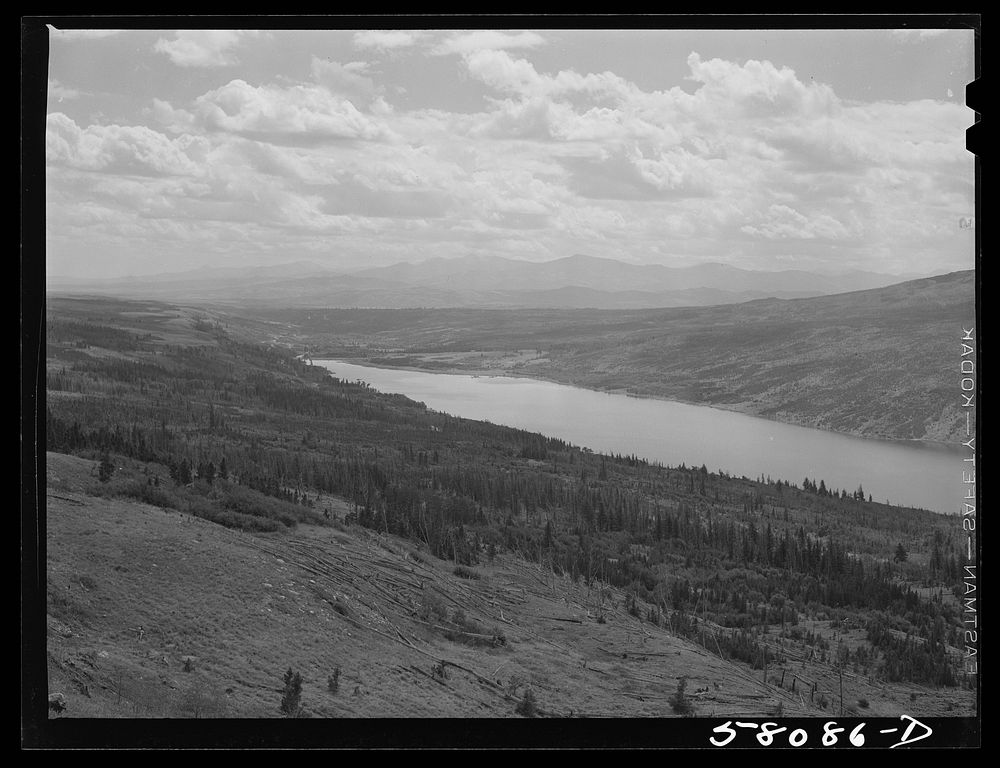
point(873, 363)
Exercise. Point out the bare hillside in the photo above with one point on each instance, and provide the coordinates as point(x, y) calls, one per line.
point(222, 615)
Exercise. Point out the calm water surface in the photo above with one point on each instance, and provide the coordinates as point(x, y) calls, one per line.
point(912, 474)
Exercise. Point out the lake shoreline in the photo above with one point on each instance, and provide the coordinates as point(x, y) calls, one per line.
point(740, 408)
point(904, 473)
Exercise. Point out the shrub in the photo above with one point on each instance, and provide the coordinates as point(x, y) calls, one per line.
point(333, 681)
point(248, 502)
point(202, 507)
point(150, 494)
point(416, 556)
point(62, 606)
point(680, 702)
point(513, 683)
point(432, 607)
point(105, 469)
point(201, 700)
point(528, 707)
point(470, 632)
point(466, 573)
point(631, 605)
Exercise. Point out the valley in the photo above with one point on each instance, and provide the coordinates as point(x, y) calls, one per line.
point(272, 517)
point(878, 363)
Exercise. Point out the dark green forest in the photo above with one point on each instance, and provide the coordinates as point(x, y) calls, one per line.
point(251, 437)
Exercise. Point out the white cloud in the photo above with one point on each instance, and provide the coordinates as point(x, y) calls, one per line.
point(386, 39)
point(749, 159)
point(346, 79)
point(627, 174)
point(783, 222)
point(498, 70)
point(758, 89)
point(203, 47)
point(304, 112)
point(466, 43)
point(920, 134)
point(173, 119)
point(674, 170)
point(531, 118)
point(120, 149)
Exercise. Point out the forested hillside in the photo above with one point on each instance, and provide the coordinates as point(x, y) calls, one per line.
point(875, 363)
point(760, 571)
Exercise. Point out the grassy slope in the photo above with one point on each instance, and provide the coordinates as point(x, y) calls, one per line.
point(248, 607)
point(880, 363)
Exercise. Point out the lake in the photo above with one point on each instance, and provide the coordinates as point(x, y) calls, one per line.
point(916, 474)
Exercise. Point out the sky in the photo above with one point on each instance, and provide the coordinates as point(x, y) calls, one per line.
point(827, 150)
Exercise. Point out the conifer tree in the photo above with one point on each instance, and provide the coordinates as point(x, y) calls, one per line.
point(106, 469)
point(291, 698)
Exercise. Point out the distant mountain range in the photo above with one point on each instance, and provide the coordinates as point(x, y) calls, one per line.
point(482, 281)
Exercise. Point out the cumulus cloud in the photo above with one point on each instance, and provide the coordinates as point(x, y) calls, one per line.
point(784, 222)
point(921, 134)
point(119, 149)
point(301, 112)
point(386, 39)
point(531, 118)
point(748, 158)
point(673, 171)
point(465, 43)
point(203, 47)
point(174, 119)
point(566, 106)
point(346, 79)
point(499, 70)
point(627, 174)
point(758, 89)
